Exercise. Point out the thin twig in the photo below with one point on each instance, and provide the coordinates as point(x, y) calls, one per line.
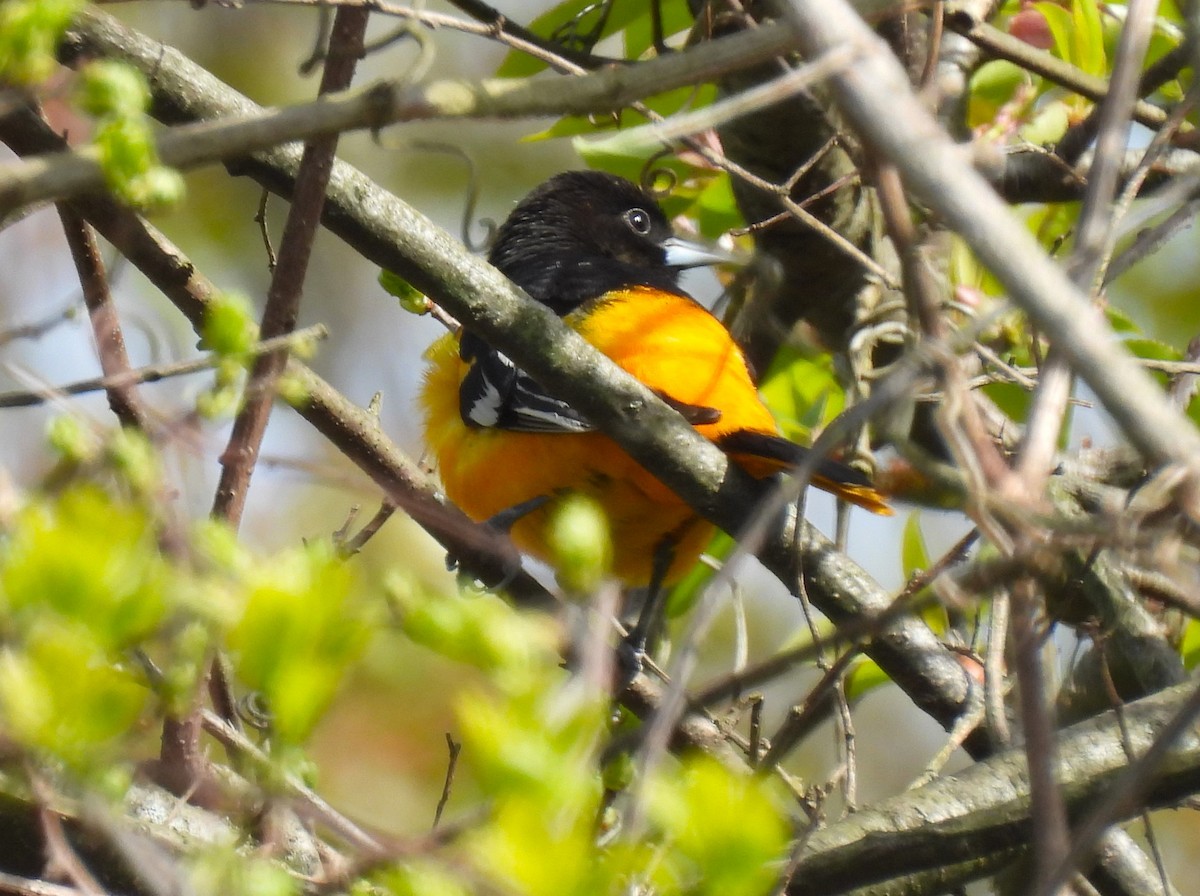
point(154, 372)
point(454, 749)
point(308, 802)
point(351, 546)
point(106, 327)
point(283, 297)
point(1039, 62)
point(1051, 838)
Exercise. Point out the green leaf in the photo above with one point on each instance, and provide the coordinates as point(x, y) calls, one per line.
point(61, 694)
point(1088, 34)
point(1189, 647)
point(716, 209)
point(639, 34)
point(803, 392)
point(481, 631)
point(72, 439)
point(1048, 125)
point(863, 677)
point(518, 64)
point(582, 545)
point(236, 874)
point(411, 299)
point(419, 878)
point(1013, 400)
point(687, 591)
point(993, 85)
point(914, 556)
point(1121, 322)
point(1078, 34)
point(1153, 350)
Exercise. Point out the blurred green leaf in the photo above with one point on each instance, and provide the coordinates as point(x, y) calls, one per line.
point(687, 591)
point(1078, 34)
point(639, 33)
point(1048, 125)
point(1013, 400)
point(1121, 322)
point(914, 556)
point(109, 87)
point(582, 544)
point(727, 830)
point(91, 561)
point(481, 631)
point(30, 31)
point(234, 873)
point(229, 329)
point(863, 677)
point(303, 623)
point(1189, 647)
point(61, 694)
point(73, 440)
point(993, 85)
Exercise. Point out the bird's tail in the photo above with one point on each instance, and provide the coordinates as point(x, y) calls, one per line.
point(762, 454)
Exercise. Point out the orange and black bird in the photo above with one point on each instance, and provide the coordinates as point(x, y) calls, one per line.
point(601, 254)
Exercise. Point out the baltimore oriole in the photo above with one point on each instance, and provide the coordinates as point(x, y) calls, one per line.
point(601, 253)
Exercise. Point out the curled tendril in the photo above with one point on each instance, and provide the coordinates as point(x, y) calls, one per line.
point(320, 43)
point(658, 180)
point(426, 49)
point(470, 200)
point(417, 69)
point(253, 710)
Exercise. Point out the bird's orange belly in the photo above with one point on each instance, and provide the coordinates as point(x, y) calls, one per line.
point(486, 472)
point(642, 513)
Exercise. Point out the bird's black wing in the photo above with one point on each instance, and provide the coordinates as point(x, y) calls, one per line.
point(496, 394)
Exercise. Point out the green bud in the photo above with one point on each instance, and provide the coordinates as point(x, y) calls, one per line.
point(411, 299)
point(107, 87)
point(229, 331)
point(582, 546)
point(72, 440)
point(155, 190)
point(134, 458)
point(293, 391)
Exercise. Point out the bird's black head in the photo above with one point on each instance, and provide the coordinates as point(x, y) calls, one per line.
point(584, 233)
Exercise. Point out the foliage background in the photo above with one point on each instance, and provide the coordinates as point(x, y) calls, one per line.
point(398, 702)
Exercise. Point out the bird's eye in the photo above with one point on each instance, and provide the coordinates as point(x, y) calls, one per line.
point(638, 220)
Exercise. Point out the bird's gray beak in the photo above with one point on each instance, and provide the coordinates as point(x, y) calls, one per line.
point(683, 253)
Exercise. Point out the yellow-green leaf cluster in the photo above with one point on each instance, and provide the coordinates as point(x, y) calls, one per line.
point(117, 96)
point(725, 833)
point(81, 582)
point(229, 332)
point(300, 627)
point(29, 33)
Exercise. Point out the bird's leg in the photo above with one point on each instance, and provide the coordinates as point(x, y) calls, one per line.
point(633, 649)
point(503, 522)
point(506, 519)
